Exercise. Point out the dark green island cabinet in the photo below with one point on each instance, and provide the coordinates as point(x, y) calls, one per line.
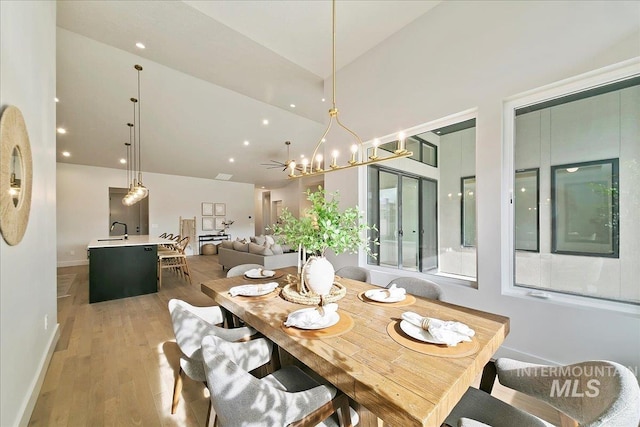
point(120, 268)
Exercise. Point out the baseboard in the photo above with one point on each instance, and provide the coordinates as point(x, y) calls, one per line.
point(73, 263)
point(36, 385)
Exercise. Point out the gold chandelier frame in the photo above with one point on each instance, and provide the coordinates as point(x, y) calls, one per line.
point(357, 149)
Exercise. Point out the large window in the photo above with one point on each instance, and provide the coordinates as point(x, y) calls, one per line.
point(576, 188)
point(420, 209)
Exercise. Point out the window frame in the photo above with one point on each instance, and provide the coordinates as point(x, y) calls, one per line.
point(440, 278)
point(604, 76)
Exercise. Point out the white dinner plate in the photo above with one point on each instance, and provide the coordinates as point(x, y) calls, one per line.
point(259, 274)
point(326, 321)
point(418, 333)
point(252, 290)
point(379, 295)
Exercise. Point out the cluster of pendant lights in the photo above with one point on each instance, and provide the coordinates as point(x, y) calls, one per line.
point(137, 191)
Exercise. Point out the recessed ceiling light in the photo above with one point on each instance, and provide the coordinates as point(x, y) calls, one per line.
point(324, 140)
point(66, 154)
point(140, 45)
point(123, 161)
point(322, 99)
point(231, 160)
point(302, 156)
point(262, 186)
point(56, 98)
point(61, 130)
point(265, 122)
point(292, 105)
point(246, 143)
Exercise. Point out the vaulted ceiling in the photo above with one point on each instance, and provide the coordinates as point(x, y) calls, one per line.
point(213, 71)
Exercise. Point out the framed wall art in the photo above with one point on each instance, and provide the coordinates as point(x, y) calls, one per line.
point(220, 209)
point(207, 223)
point(207, 209)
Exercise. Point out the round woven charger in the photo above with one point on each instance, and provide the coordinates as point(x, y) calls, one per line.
point(409, 300)
point(463, 349)
point(344, 325)
point(289, 292)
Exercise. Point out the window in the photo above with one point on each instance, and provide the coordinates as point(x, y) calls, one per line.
point(416, 206)
point(576, 198)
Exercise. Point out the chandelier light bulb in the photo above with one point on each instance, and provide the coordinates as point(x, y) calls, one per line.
point(292, 165)
point(354, 154)
point(319, 161)
point(334, 159)
point(305, 162)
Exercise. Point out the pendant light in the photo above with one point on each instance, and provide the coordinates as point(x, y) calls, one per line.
point(140, 189)
point(137, 190)
point(315, 162)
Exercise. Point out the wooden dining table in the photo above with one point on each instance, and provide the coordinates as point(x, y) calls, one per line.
point(402, 383)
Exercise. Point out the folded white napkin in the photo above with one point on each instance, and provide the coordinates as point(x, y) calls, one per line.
point(390, 293)
point(249, 290)
point(449, 332)
point(308, 318)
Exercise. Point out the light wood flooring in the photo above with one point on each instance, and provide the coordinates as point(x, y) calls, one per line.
point(115, 361)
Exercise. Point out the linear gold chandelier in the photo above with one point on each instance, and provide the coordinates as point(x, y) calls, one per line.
point(314, 165)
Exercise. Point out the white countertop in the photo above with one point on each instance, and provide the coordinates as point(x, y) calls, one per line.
point(116, 241)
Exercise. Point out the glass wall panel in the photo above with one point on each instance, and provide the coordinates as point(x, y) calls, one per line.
point(429, 244)
point(388, 202)
point(525, 198)
point(410, 223)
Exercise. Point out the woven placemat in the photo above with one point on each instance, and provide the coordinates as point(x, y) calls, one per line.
point(461, 350)
point(270, 295)
point(344, 325)
point(409, 300)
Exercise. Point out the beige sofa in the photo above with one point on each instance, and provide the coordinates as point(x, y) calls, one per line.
point(228, 258)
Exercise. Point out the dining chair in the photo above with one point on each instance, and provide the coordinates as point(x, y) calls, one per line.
point(287, 397)
point(239, 270)
point(594, 393)
point(355, 273)
point(175, 259)
point(190, 325)
point(418, 287)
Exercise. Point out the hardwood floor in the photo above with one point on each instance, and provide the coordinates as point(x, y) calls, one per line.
point(114, 363)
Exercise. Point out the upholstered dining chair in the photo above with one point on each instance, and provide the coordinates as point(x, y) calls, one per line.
point(239, 270)
point(287, 397)
point(418, 287)
point(594, 393)
point(175, 259)
point(190, 325)
point(355, 273)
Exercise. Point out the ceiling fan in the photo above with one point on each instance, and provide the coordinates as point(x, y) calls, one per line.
point(274, 164)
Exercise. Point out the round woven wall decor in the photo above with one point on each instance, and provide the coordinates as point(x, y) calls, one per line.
point(16, 175)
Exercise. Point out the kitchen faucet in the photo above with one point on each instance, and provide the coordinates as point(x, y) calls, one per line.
point(126, 232)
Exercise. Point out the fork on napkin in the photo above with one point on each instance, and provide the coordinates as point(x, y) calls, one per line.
point(449, 332)
point(309, 317)
point(253, 289)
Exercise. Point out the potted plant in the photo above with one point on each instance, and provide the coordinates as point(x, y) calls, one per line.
point(323, 226)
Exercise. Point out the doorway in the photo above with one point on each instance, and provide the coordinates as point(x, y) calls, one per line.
point(136, 217)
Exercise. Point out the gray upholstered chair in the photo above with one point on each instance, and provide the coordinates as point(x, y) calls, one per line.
point(190, 325)
point(418, 287)
point(287, 397)
point(355, 273)
point(593, 393)
point(239, 270)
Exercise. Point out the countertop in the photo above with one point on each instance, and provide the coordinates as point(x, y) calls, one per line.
point(111, 242)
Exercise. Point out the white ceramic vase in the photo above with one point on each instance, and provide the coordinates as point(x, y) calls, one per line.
point(318, 275)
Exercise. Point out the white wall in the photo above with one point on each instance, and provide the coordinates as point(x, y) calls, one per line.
point(83, 206)
point(28, 270)
point(474, 55)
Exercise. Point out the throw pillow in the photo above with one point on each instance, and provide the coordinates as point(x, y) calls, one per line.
point(241, 246)
point(276, 249)
point(227, 244)
point(258, 240)
point(257, 249)
point(270, 240)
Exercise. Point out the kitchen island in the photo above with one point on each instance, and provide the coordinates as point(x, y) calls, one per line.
point(121, 268)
